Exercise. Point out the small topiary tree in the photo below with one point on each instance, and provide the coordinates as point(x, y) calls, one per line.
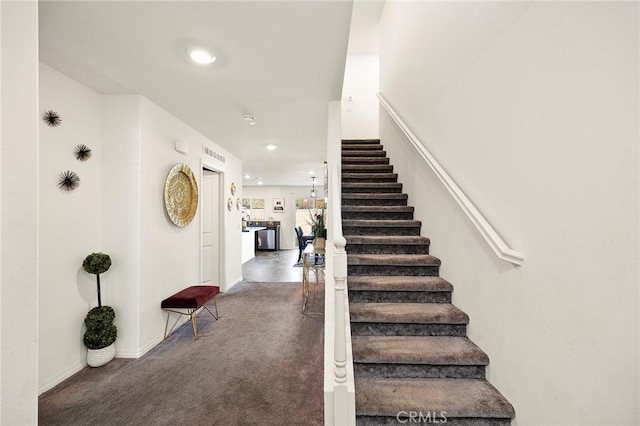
point(97, 263)
point(101, 332)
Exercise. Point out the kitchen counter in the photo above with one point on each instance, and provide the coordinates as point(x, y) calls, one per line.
point(253, 228)
point(249, 242)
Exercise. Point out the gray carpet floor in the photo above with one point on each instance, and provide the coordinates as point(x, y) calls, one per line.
point(260, 364)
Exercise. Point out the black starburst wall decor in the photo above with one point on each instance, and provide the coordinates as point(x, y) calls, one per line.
point(52, 118)
point(82, 152)
point(68, 180)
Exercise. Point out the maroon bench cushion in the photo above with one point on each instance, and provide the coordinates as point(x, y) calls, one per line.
point(191, 297)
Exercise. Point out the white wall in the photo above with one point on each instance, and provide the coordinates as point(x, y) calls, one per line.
point(288, 239)
point(121, 216)
point(231, 220)
point(334, 155)
point(170, 256)
point(70, 224)
point(118, 209)
point(359, 101)
point(533, 109)
point(19, 115)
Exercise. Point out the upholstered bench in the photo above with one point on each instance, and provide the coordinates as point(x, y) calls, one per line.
point(190, 299)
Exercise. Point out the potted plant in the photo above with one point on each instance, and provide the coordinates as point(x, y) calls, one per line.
point(101, 332)
point(318, 229)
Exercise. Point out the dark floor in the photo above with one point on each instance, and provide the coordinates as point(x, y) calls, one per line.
point(273, 266)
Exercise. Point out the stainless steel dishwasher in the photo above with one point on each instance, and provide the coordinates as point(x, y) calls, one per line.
point(268, 239)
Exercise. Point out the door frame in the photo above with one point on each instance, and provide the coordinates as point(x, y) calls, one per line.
point(221, 223)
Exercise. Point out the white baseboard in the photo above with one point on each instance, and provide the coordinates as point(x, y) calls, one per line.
point(150, 345)
point(234, 283)
point(146, 348)
point(60, 378)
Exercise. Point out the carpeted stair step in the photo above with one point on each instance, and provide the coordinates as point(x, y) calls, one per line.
point(377, 212)
point(380, 227)
point(354, 199)
point(367, 244)
point(367, 168)
point(363, 153)
point(369, 177)
point(407, 319)
point(399, 289)
point(365, 160)
point(460, 401)
point(393, 264)
point(371, 187)
point(376, 283)
point(361, 146)
point(360, 141)
point(418, 357)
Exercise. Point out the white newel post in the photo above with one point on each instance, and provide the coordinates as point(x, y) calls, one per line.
point(341, 411)
point(339, 402)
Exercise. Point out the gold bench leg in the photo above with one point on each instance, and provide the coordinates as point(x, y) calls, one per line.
point(215, 305)
point(168, 333)
point(166, 325)
point(194, 323)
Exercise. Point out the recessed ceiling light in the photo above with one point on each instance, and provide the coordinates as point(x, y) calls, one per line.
point(311, 172)
point(201, 56)
point(260, 183)
point(247, 176)
point(271, 147)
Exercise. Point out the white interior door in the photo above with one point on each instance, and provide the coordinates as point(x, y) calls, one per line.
point(210, 228)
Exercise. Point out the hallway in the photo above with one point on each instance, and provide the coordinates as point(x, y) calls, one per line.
point(260, 363)
point(273, 266)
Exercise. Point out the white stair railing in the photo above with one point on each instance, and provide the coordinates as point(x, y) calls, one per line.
point(488, 232)
point(339, 382)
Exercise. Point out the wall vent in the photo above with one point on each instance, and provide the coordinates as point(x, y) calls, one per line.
point(211, 153)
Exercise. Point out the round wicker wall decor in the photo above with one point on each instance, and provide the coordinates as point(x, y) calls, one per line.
point(181, 195)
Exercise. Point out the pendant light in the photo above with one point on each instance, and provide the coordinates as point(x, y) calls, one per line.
point(314, 193)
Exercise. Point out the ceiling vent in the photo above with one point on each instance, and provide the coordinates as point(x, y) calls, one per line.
point(211, 153)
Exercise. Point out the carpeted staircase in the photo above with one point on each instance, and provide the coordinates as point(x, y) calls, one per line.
point(412, 360)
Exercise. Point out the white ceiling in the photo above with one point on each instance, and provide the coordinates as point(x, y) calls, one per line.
point(279, 61)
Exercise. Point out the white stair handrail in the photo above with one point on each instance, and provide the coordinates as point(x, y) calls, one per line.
point(491, 236)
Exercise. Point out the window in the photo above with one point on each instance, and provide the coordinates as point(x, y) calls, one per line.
point(254, 207)
point(305, 207)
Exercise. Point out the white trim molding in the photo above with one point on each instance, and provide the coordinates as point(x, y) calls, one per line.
point(495, 241)
point(339, 401)
point(339, 383)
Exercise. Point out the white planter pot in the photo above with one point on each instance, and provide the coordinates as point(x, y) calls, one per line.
point(100, 357)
